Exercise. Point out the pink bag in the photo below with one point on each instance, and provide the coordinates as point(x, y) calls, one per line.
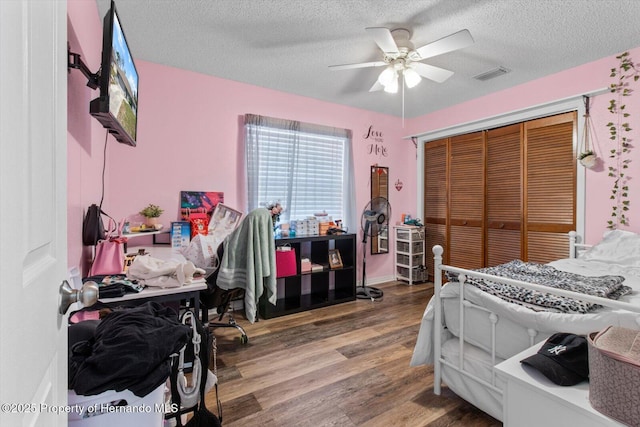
point(109, 258)
point(286, 262)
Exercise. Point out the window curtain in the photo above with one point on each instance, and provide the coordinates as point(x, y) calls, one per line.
point(307, 167)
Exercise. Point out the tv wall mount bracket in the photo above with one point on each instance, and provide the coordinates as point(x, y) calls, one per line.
point(75, 61)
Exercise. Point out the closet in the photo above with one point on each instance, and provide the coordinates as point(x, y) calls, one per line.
point(501, 194)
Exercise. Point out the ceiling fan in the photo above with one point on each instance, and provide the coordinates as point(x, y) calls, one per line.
point(402, 59)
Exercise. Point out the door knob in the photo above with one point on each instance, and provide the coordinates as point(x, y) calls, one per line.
point(88, 295)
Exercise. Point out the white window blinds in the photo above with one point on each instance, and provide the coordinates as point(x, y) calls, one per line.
point(306, 167)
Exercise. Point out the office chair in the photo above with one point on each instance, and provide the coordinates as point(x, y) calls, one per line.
point(220, 299)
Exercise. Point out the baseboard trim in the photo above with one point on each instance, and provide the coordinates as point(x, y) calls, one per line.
point(377, 280)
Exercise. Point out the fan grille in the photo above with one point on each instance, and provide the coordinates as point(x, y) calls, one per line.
point(375, 216)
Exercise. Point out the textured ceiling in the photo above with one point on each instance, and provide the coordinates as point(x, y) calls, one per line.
point(287, 45)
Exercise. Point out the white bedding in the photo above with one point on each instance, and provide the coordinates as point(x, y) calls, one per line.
point(514, 321)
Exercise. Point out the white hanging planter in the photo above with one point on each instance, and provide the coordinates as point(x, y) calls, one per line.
point(588, 159)
point(587, 156)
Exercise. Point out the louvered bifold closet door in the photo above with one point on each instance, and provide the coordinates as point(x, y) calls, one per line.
point(550, 186)
point(504, 194)
point(435, 200)
point(466, 200)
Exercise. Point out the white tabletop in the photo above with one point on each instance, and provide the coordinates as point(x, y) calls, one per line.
point(512, 367)
point(150, 292)
point(576, 396)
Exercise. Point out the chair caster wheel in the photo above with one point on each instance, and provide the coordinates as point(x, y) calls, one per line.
point(244, 339)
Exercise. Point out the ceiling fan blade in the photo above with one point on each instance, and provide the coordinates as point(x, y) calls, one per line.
point(455, 41)
point(377, 86)
point(383, 38)
point(360, 65)
point(430, 72)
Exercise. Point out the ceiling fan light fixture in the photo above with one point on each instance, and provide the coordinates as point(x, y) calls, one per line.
point(411, 77)
point(387, 76)
point(392, 87)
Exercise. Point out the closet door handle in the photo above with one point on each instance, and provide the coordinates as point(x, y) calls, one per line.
point(501, 225)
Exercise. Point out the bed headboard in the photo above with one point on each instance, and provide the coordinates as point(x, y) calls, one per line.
point(576, 248)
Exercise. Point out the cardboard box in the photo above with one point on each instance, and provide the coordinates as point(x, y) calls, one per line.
point(324, 226)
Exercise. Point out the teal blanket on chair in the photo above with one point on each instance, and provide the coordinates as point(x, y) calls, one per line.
point(249, 260)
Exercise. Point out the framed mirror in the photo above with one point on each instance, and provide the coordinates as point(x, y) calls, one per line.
point(380, 188)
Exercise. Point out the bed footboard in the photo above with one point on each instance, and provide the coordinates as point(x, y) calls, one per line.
point(464, 305)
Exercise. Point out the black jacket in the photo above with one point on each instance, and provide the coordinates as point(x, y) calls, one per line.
point(130, 350)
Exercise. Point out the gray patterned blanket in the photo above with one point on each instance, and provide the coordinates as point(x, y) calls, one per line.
point(541, 274)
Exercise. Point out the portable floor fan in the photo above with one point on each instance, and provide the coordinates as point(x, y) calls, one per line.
point(375, 219)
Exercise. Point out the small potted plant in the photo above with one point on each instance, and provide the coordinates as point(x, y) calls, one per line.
point(588, 159)
point(151, 213)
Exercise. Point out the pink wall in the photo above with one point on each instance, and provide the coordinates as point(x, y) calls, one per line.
point(85, 135)
point(585, 78)
point(190, 138)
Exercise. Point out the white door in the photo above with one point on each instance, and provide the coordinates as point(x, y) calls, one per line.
point(33, 226)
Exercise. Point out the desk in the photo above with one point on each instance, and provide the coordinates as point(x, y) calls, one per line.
point(190, 292)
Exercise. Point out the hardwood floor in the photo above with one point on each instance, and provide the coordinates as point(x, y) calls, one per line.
point(344, 365)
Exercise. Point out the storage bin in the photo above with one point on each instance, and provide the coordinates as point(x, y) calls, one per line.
point(403, 234)
point(614, 373)
point(416, 274)
point(402, 246)
point(404, 259)
point(121, 409)
point(324, 227)
point(415, 247)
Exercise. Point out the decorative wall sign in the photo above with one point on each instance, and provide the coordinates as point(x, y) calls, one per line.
point(399, 185)
point(375, 141)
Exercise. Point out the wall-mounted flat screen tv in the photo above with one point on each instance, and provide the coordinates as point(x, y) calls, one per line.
point(117, 106)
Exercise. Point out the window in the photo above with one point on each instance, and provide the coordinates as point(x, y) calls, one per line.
point(306, 167)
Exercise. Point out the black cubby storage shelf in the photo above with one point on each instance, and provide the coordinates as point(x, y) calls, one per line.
point(305, 291)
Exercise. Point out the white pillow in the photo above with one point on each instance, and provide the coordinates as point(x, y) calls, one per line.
point(617, 247)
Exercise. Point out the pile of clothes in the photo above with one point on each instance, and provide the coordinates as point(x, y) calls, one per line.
point(162, 274)
point(128, 349)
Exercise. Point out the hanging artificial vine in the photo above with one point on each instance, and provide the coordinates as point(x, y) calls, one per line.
point(618, 131)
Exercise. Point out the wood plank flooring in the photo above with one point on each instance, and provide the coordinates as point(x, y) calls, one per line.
point(344, 365)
